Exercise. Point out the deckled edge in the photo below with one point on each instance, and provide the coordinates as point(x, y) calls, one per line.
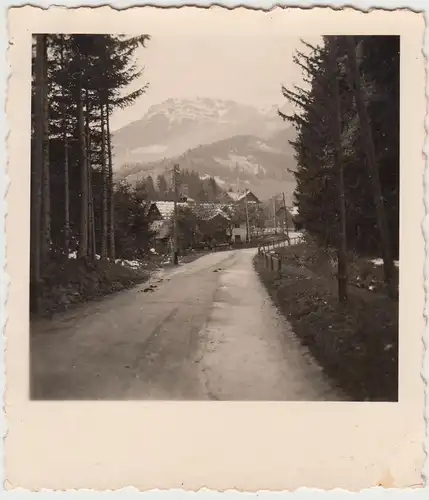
point(5, 281)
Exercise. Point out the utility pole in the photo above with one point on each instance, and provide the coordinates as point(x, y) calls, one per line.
point(176, 172)
point(286, 223)
point(247, 219)
point(274, 216)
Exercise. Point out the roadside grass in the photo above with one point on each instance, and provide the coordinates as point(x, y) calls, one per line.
point(69, 282)
point(356, 344)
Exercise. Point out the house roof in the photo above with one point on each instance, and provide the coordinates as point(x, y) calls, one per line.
point(237, 197)
point(220, 213)
point(281, 210)
point(234, 196)
point(203, 211)
point(207, 211)
point(150, 207)
point(166, 208)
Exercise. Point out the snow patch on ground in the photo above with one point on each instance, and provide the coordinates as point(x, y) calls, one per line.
point(73, 255)
point(243, 162)
point(133, 264)
point(379, 262)
point(152, 149)
point(219, 180)
point(265, 147)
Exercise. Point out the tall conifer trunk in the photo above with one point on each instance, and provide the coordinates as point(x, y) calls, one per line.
point(339, 167)
point(46, 183)
point(368, 142)
point(83, 226)
point(104, 210)
point(37, 176)
point(66, 236)
point(110, 188)
point(91, 239)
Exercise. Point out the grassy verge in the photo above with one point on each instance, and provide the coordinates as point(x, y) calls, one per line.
point(72, 282)
point(356, 344)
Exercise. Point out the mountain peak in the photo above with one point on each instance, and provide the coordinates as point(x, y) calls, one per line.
point(176, 125)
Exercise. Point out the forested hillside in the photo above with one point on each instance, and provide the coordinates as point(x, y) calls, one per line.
point(243, 161)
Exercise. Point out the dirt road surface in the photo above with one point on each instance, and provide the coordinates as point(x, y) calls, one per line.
point(206, 330)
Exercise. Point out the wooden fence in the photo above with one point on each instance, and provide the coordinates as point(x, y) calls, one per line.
point(273, 245)
point(267, 250)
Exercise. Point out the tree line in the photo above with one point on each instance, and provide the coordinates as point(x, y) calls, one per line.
point(77, 82)
point(347, 148)
point(191, 185)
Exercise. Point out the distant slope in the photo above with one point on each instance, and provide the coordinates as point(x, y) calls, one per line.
point(241, 161)
point(177, 125)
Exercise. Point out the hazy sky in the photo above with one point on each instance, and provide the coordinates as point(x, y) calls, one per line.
point(245, 66)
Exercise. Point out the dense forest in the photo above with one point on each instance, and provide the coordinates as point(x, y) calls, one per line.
point(347, 147)
point(77, 82)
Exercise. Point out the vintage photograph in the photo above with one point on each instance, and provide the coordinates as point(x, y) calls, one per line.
point(214, 219)
point(205, 216)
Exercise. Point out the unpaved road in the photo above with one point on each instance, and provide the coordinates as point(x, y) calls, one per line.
point(208, 331)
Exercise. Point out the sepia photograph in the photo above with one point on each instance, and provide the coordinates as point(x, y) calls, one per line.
point(215, 248)
point(202, 231)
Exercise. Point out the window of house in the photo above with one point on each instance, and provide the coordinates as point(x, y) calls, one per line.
point(237, 226)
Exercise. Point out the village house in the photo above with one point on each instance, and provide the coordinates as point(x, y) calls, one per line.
point(199, 223)
point(211, 224)
point(243, 197)
point(284, 218)
point(241, 231)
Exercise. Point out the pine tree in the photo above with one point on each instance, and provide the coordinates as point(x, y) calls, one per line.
point(83, 233)
point(150, 188)
point(82, 75)
point(105, 201)
point(315, 193)
point(335, 121)
point(46, 184)
point(316, 149)
point(369, 148)
point(162, 186)
point(65, 138)
point(37, 171)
